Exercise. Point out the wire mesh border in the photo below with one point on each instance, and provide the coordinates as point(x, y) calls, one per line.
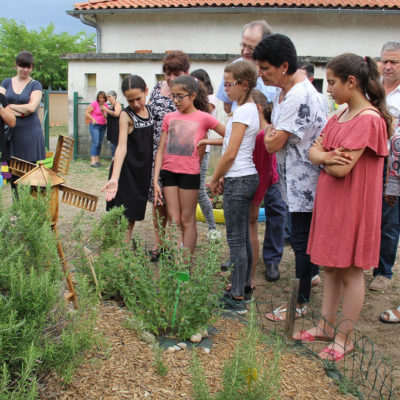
point(364, 372)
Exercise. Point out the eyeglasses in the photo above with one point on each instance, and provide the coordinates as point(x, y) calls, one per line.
point(230, 84)
point(246, 46)
point(179, 96)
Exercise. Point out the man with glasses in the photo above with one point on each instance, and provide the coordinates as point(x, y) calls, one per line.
point(390, 225)
point(275, 208)
point(253, 32)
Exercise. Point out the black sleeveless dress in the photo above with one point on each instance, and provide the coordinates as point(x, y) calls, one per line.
point(112, 128)
point(134, 181)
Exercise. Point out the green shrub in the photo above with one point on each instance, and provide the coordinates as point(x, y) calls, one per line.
point(36, 331)
point(248, 374)
point(150, 290)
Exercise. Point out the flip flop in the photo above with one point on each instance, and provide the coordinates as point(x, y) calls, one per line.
point(335, 355)
point(315, 280)
point(276, 315)
point(393, 316)
point(307, 337)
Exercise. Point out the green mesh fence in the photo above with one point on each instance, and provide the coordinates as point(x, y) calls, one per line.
point(365, 372)
point(83, 137)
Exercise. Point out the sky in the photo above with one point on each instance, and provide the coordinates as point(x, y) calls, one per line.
point(39, 13)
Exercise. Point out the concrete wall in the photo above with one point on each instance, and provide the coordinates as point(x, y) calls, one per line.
point(323, 34)
point(314, 34)
point(108, 77)
point(58, 108)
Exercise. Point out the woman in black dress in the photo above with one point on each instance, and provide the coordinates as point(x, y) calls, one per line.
point(113, 113)
point(130, 172)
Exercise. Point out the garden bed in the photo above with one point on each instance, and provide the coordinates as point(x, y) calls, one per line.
point(123, 372)
point(126, 369)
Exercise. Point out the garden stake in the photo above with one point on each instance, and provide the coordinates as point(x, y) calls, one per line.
point(291, 308)
point(89, 256)
point(181, 277)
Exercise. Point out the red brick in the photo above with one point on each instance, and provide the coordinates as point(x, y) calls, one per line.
point(124, 4)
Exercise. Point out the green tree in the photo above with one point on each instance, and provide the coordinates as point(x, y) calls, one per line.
point(46, 46)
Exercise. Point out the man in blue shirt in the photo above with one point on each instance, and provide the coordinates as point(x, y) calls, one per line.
point(253, 32)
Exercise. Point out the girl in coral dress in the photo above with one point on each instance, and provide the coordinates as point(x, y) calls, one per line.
point(345, 228)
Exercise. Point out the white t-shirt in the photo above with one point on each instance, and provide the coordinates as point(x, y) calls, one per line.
point(268, 91)
point(243, 165)
point(302, 114)
point(214, 101)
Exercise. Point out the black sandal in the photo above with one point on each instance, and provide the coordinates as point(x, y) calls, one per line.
point(154, 255)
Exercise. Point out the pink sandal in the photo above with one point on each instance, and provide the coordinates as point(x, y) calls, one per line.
point(307, 337)
point(334, 355)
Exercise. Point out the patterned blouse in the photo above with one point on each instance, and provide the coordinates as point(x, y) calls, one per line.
point(160, 105)
point(301, 113)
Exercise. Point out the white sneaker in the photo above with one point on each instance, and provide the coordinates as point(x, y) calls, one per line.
point(213, 235)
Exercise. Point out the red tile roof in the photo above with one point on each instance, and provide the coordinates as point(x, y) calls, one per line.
point(126, 4)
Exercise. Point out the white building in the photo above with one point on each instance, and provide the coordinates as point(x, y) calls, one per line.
point(210, 31)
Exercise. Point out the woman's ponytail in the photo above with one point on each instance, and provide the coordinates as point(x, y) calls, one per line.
point(376, 93)
point(365, 70)
point(201, 99)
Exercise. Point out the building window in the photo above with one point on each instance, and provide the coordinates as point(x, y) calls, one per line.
point(160, 77)
point(90, 80)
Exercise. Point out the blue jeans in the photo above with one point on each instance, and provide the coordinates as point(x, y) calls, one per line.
point(301, 222)
point(238, 193)
point(275, 211)
point(204, 201)
point(390, 232)
point(97, 133)
point(113, 148)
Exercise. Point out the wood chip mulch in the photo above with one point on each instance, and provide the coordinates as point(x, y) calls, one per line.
point(126, 370)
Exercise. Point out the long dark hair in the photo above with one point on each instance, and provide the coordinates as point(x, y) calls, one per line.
point(193, 85)
point(202, 75)
point(364, 69)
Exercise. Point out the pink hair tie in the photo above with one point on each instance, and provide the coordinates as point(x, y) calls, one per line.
point(365, 58)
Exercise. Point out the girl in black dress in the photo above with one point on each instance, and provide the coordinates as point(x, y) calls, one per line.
point(113, 113)
point(130, 172)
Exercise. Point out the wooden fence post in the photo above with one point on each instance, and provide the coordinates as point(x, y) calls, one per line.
point(291, 307)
